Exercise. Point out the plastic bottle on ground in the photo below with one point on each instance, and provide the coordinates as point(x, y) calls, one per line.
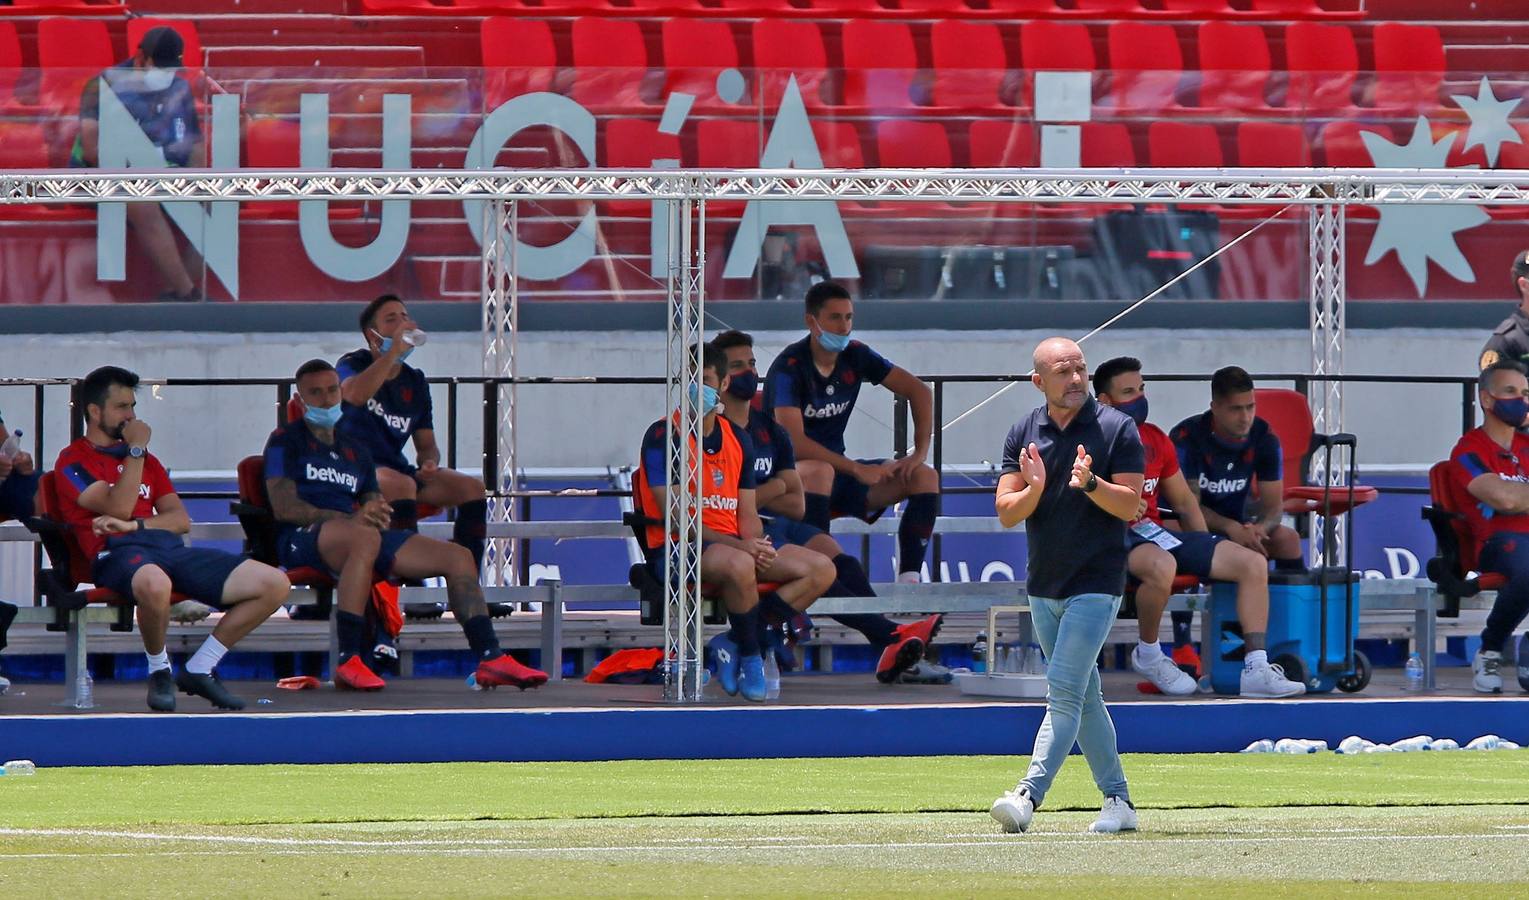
point(19, 767)
point(772, 677)
point(1354, 744)
point(1263, 746)
point(1414, 672)
point(1444, 744)
point(84, 690)
point(1413, 744)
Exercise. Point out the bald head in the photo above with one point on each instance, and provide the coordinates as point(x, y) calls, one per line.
point(1061, 373)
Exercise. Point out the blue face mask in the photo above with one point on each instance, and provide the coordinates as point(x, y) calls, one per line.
point(833, 343)
point(1136, 409)
point(324, 416)
point(707, 399)
point(743, 385)
point(387, 344)
point(1510, 410)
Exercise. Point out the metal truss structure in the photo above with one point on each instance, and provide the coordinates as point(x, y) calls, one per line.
point(1328, 253)
point(1330, 192)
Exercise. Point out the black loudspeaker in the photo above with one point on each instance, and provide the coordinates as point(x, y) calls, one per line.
point(1142, 250)
point(968, 273)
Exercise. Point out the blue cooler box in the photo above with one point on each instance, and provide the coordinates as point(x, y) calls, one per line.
point(1295, 629)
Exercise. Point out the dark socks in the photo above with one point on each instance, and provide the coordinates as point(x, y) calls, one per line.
point(878, 630)
point(1253, 640)
point(406, 515)
point(1290, 565)
point(469, 528)
point(774, 610)
point(481, 637)
point(913, 534)
point(744, 631)
point(1182, 620)
point(817, 511)
point(351, 631)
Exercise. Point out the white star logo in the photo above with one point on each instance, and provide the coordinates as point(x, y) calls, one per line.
point(1420, 232)
point(1489, 120)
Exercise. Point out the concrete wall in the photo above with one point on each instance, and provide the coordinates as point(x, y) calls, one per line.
point(211, 428)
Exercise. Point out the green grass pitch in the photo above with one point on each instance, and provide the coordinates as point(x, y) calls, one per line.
point(1432, 823)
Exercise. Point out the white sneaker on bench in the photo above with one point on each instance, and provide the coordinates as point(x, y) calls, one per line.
point(1164, 674)
point(188, 611)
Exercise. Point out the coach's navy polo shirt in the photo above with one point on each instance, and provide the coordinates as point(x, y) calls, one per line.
point(1076, 547)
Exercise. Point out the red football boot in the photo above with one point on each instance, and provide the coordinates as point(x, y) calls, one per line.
point(1188, 659)
point(353, 675)
point(503, 669)
point(924, 629)
point(898, 657)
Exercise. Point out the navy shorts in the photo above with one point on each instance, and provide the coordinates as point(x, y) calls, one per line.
point(849, 496)
point(300, 547)
point(782, 531)
point(198, 573)
point(1192, 556)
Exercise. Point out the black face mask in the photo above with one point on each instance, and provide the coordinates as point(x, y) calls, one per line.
point(743, 385)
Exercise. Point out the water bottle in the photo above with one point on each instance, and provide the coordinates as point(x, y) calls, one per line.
point(84, 690)
point(772, 677)
point(12, 445)
point(19, 767)
point(1035, 661)
point(979, 652)
point(1414, 673)
point(414, 337)
point(1002, 662)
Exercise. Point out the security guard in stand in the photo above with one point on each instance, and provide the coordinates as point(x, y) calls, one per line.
point(1510, 340)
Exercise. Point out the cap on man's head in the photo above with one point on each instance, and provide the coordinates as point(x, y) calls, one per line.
point(163, 47)
point(1520, 269)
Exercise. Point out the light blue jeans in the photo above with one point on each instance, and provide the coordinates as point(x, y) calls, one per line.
point(1072, 631)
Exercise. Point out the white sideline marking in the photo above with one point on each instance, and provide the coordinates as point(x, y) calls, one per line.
point(495, 847)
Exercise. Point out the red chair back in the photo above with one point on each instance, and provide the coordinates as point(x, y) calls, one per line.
point(1447, 492)
point(1289, 417)
point(48, 507)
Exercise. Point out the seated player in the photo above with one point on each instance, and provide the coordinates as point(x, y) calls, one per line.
point(1492, 463)
point(1158, 554)
point(735, 554)
point(125, 514)
point(779, 497)
point(387, 406)
point(811, 390)
point(323, 489)
point(18, 480)
point(1223, 453)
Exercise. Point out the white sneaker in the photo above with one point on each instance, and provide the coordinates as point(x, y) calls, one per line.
point(189, 611)
point(1268, 681)
point(5, 684)
point(926, 672)
point(1014, 810)
point(1116, 815)
point(1164, 674)
point(1484, 667)
point(909, 578)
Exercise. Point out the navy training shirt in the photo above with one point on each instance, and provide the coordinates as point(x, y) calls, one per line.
point(329, 476)
point(826, 403)
point(1075, 547)
point(773, 453)
point(392, 415)
point(1225, 471)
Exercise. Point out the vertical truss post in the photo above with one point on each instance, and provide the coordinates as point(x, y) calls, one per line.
point(500, 293)
point(1328, 252)
point(682, 511)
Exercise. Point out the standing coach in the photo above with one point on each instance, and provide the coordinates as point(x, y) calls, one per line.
point(1072, 471)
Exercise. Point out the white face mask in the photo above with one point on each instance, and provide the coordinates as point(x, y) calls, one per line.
point(158, 79)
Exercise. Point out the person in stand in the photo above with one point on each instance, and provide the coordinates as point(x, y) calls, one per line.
point(779, 497)
point(811, 391)
point(323, 490)
point(117, 499)
point(1158, 553)
point(1072, 472)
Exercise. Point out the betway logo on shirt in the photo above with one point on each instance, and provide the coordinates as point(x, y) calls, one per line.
point(1149, 486)
point(397, 423)
point(1521, 479)
point(726, 504)
point(826, 411)
point(333, 476)
point(1223, 485)
point(764, 466)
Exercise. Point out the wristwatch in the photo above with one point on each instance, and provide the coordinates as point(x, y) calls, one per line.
point(1091, 483)
point(137, 452)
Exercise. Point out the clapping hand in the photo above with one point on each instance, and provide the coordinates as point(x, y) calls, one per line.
point(1080, 469)
point(1032, 468)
